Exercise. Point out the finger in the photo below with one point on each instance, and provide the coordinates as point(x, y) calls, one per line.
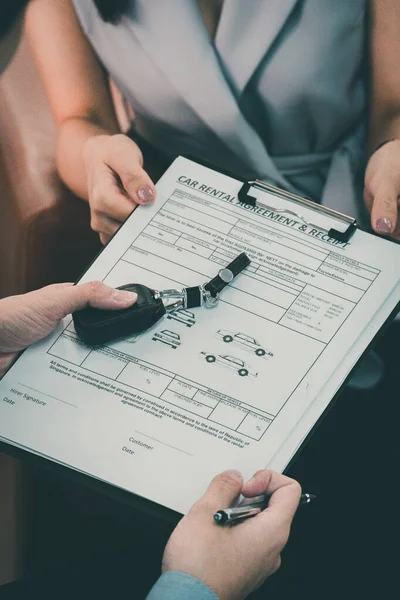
point(99, 295)
point(61, 300)
point(265, 482)
point(112, 201)
point(368, 198)
point(110, 207)
point(283, 504)
point(125, 159)
point(396, 232)
point(103, 225)
point(384, 210)
point(104, 239)
point(222, 491)
point(257, 485)
point(285, 493)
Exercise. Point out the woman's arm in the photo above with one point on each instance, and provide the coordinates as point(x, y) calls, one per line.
point(382, 182)
point(75, 84)
point(96, 161)
point(385, 76)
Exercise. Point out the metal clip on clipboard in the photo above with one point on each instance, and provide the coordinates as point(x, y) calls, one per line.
point(340, 236)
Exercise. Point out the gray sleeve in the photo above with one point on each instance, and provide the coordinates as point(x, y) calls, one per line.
point(174, 585)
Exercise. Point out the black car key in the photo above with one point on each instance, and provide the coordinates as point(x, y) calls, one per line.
point(96, 326)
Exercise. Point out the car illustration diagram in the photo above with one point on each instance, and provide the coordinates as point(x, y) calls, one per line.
point(243, 341)
point(231, 362)
point(167, 337)
point(183, 316)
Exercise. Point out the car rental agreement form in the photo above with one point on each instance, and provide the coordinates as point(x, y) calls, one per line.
point(235, 386)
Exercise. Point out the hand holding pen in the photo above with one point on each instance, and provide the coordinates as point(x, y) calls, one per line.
point(233, 561)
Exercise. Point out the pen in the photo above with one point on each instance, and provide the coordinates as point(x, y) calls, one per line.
point(227, 515)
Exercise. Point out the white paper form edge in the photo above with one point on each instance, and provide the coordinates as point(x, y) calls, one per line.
point(303, 424)
point(291, 446)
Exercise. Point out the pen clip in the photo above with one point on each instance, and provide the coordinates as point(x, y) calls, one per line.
point(234, 514)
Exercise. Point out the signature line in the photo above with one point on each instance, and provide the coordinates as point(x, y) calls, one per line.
point(169, 445)
point(48, 395)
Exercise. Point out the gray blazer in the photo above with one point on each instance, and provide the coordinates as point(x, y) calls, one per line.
point(279, 94)
point(174, 585)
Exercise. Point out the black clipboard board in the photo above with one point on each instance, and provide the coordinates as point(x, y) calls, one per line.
point(149, 507)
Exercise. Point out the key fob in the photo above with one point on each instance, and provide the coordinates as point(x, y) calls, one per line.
point(95, 326)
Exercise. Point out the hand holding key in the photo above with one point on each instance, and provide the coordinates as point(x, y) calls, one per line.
point(99, 326)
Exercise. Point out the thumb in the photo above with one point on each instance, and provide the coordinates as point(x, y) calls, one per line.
point(384, 210)
point(64, 299)
point(223, 490)
point(30, 317)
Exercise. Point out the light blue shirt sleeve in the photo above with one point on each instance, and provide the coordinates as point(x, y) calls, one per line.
point(174, 585)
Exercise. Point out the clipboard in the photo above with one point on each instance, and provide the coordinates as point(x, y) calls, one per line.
point(351, 223)
point(245, 197)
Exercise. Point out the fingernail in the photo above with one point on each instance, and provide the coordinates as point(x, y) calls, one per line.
point(145, 194)
point(124, 297)
point(384, 225)
point(234, 473)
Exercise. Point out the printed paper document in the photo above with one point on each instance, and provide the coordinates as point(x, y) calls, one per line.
point(236, 386)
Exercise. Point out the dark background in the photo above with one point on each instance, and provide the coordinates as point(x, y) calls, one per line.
point(86, 545)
